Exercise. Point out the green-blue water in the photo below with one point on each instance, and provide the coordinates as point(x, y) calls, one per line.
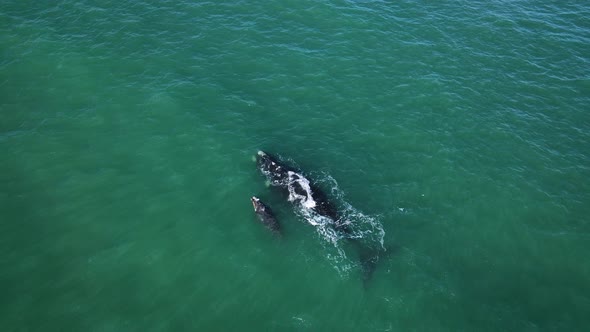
point(127, 130)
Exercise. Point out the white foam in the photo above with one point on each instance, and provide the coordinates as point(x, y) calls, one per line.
point(364, 228)
point(306, 200)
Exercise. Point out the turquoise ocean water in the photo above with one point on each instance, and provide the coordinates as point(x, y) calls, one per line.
point(458, 129)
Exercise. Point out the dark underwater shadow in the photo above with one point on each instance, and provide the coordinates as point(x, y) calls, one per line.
point(372, 260)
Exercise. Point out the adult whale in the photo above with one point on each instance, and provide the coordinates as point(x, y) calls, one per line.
point(300, 190)
point(307, 196)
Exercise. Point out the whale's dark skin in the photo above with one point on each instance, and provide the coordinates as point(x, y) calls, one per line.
point(275, 171)
point(287, 178)
point(265, 215)
point(281, 175)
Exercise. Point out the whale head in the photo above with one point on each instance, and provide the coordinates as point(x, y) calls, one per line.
point(256, 203)
point(274, 170)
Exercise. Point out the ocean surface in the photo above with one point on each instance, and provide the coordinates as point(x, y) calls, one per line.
point(459, 131)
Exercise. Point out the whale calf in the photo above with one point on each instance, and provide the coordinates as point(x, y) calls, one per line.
point(265, 215)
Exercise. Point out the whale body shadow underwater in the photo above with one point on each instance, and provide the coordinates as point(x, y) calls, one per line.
point(313, 205)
